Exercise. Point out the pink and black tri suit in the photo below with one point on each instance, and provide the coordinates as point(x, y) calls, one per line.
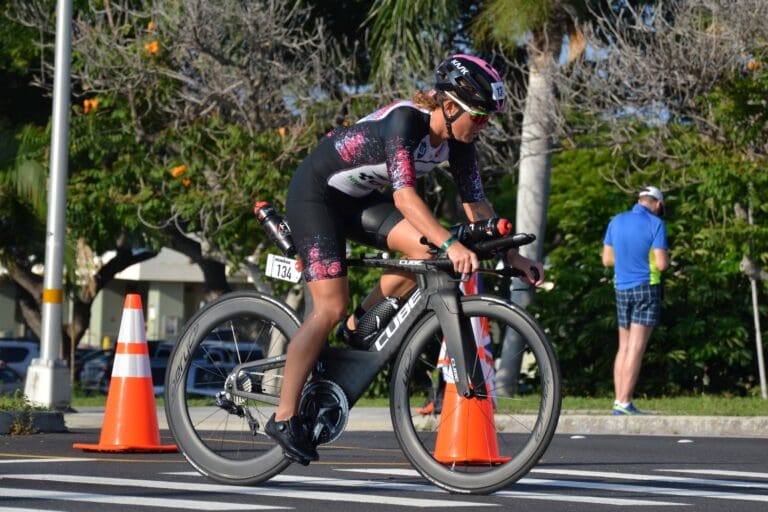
point(338, 192)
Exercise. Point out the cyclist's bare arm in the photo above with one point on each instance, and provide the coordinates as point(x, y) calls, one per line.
point(414, 210)
point(479, 210)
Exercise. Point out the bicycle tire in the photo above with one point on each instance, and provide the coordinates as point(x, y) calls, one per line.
point(523, 423)
point(212, 436)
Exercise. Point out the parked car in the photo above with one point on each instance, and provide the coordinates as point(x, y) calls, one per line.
point(97, 370)
point(19, 353)
point(82, 356)
point(207, 379)
point(212, 361)
point(10, 380)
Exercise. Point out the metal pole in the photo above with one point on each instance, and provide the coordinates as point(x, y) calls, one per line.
point(47, 379)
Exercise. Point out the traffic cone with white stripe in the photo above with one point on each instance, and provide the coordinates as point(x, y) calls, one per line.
point(130, 417)
point(467, 430)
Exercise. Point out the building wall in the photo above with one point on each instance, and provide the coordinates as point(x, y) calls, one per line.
point(164, 310)
point(106, 314)
point(171, 289)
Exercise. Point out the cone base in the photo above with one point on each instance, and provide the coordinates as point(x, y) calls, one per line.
point(484, 461)
point(123, 448)
point(466, 434)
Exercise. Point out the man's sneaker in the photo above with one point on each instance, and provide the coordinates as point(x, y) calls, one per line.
point(620, 410)
point(293, 435)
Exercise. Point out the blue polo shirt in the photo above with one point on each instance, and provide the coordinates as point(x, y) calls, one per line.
point(634, 235)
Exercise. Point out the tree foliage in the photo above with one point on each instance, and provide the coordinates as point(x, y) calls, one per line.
point(178, 124)
point(182, 123)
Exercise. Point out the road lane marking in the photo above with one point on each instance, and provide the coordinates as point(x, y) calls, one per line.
point(525, 494)
point(652, 478)
point(644, 489)
point(277, 492)
point(717, 472)
point(17, 509)
point(109, 499)
point(596, 500)
point(46, 460)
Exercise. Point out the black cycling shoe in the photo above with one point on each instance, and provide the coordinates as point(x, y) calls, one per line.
point(293, 435)
point(347, 335)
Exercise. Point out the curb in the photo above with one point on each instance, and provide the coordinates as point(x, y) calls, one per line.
point(32, 421)
point(695, 426)
point(378, 419)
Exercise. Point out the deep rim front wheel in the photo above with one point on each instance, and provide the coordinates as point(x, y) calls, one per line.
point(470, 445)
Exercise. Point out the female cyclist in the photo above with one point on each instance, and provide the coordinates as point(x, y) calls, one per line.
point(336, 194)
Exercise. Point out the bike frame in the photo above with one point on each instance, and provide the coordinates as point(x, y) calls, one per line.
point(354, 370)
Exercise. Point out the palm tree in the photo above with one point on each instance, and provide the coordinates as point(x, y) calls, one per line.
point(542, 27)
point(407, 36)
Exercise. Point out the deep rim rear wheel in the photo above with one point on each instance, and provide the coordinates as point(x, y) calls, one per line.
point(220, 433)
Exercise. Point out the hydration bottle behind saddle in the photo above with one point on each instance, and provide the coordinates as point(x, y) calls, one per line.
point(277, 229)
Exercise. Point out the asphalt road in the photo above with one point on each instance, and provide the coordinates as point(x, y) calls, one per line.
point(365, 470)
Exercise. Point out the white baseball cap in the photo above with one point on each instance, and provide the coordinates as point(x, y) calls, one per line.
point(656, 194)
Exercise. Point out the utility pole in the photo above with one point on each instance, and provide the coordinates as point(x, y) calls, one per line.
point(48, 382)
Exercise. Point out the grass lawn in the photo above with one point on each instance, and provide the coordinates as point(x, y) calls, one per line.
point(701, 405)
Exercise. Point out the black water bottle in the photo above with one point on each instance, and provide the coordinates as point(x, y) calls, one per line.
point(276, 228)
point(488, 229)
point(373, 321)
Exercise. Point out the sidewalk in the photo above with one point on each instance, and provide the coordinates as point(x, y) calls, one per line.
point(571, 422)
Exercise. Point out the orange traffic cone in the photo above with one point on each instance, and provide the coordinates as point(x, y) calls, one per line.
point(130, 418)
point(467, 431)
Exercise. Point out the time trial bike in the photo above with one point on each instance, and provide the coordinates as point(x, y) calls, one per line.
point(223, 436)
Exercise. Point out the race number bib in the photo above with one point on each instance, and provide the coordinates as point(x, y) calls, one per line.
point(285, 269)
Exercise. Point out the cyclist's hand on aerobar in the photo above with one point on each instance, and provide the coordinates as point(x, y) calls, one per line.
point(464, 261)
point(534, 271)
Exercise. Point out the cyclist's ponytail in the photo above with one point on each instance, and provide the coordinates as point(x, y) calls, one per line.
point(429, 100)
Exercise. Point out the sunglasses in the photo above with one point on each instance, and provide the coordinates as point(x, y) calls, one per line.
point(476, 116)
point(479, 119)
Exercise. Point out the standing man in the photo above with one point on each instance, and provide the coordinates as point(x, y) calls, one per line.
point(635, 245)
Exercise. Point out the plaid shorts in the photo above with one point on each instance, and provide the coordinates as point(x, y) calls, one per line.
point(639, 305)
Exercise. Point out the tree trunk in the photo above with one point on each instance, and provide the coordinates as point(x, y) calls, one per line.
point(214, 271)
point(532, 197)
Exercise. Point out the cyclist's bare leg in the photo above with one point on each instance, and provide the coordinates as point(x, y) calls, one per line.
point(330, 298)
point(404, 239)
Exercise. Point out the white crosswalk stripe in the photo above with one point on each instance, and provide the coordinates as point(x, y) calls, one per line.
point(575, 486)
point(717, 472)
point(598, 500)
point(108, 499)
point(653, 478)
point(622, 487)
point(273, 492)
